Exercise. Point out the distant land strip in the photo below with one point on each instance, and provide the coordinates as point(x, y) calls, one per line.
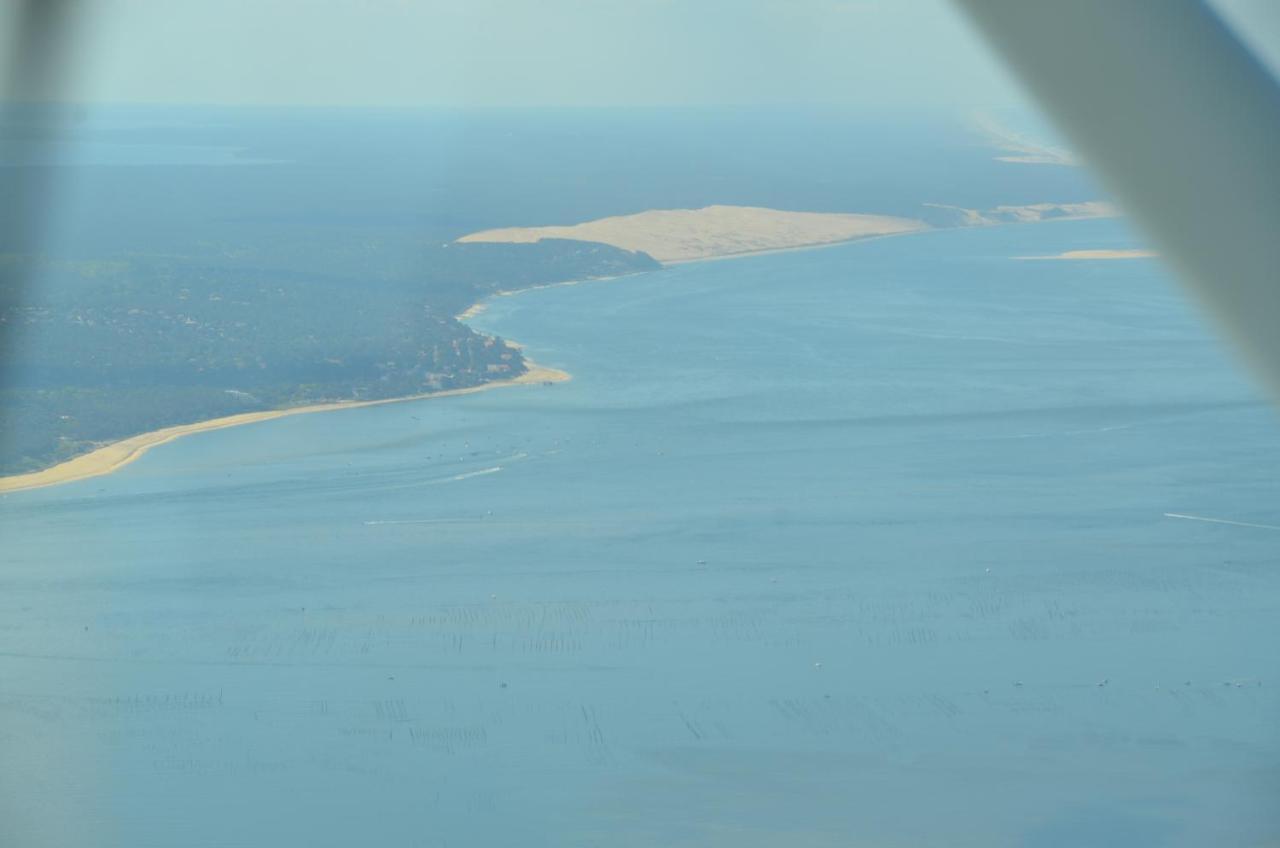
point(1135, 253)
point(714, 232)
point(683, 235)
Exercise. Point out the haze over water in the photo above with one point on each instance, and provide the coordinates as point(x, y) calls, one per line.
point(895, 566)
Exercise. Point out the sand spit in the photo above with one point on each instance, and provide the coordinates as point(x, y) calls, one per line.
point(1098, 254)
point(116, 455)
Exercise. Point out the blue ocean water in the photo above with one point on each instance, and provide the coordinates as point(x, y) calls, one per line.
point(876, 544)
point(100, 154)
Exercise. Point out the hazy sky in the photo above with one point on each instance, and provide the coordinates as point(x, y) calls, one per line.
point(532, 52)
point(863, 53)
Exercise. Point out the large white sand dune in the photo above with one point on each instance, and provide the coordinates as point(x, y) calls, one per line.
point(676, 235)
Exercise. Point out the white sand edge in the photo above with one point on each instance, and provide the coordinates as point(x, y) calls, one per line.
point(117, 455)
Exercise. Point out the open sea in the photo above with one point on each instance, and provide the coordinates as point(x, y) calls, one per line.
point(905, 542)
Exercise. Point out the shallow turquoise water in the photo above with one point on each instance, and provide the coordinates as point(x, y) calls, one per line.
point(864, 545)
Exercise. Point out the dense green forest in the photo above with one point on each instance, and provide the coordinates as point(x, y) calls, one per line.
point(100, 349)
point(161, 265)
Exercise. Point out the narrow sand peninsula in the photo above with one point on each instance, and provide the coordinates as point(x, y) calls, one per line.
point(684, 235)
point(1097, 254)
point(116, 455)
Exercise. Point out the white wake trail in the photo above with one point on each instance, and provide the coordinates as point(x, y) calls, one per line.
point(1221, 521)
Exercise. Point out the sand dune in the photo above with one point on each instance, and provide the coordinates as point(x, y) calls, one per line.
point(682, 235)
point(116, 455)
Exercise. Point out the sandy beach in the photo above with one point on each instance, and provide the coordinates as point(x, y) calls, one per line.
point(116, 455)
point(473, 310)
point(1097, 254)
point(678, 236)
point(479, 308)
point(747, 254)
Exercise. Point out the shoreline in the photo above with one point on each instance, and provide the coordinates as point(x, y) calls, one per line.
point(818, 245)
point(708, 232)
point(116, 455)
point(480, 306)
point(1094, 254)
point(112, 456)
point(744, 254)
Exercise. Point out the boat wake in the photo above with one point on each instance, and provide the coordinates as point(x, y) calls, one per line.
point(1221, 521)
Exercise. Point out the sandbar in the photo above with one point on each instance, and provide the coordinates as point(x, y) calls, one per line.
point(1100, 253)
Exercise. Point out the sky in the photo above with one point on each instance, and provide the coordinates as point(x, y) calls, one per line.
point(876, 54)
point(868, 53)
